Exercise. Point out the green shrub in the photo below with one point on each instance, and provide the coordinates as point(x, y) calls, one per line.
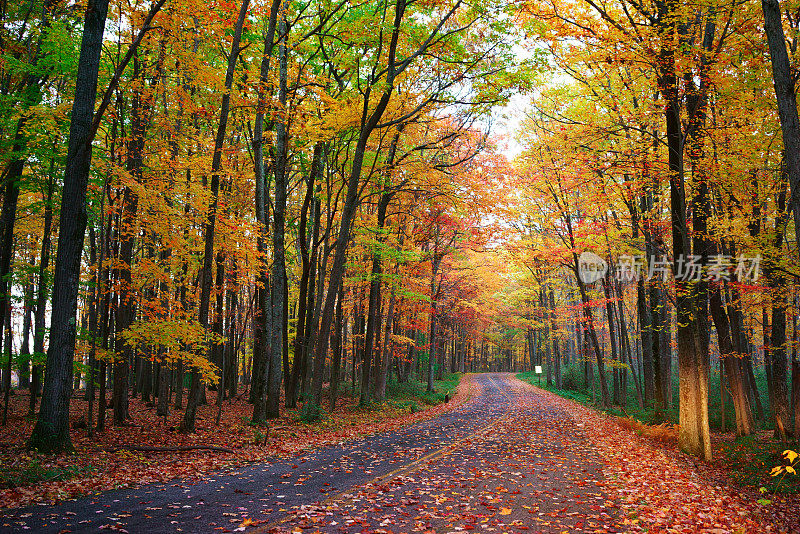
point(751, 460)
point(572, 377)
point(416, 390)
point(33, 471)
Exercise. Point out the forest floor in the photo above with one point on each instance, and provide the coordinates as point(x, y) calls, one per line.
point(665, 488)
point(105, 461)
point(503, 456)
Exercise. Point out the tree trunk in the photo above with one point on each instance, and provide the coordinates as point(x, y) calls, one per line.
point(8, 216)
point(742, 347)
point(218, 349)
point(591, 334)
point(162, 409)
point(744, 417)
point(694, 435)
point(646, 330)
point(665, 351)
point(231, 370)
point(94, 304)
point(548, 344)
point(431, 338)
point(657, 301)
point(103, 315)
point(302, 300)
point(374, 313)
point(612, 334)
point(380, 384)
point(279, 282)
point(51, 433)
point(261, 320)
point(775, 349)
point(626, 350)
point(776, 359)
point(27, 325)
point(339, 342)
point(795, 371)
point(784, 84)
point(796, 395)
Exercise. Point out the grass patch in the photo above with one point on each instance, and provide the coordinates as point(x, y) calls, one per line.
point(407, 396)
point(750, 460)
point(413, 393)
point(575, 389)
point(647, 415)
point(32, 471)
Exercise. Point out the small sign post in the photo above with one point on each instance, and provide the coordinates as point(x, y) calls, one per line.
point(538, 371)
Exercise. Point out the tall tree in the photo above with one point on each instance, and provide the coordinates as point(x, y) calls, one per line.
point(784, 84)
point(51, 433)
point(262, 332)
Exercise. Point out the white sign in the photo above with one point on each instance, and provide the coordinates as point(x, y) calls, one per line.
point(538, 369)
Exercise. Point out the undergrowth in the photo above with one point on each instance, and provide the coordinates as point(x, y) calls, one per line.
point(32, 471)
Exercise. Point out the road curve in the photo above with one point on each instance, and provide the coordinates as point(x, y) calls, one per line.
point(507, 460)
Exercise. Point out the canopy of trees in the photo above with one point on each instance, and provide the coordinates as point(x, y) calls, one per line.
point(288, 195)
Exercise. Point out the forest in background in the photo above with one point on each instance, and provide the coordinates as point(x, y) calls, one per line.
point(290, 196)
point(667, 155)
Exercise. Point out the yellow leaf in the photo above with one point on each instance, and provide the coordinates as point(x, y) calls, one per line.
point(505, 511)
point(247, 522)
point(790, 469)
point(790, 455)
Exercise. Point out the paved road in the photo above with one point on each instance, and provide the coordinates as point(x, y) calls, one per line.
point(505, 461)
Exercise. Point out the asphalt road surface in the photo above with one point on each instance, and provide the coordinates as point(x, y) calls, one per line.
point(507, 460)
